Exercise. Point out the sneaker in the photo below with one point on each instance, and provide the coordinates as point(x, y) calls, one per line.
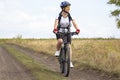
point(71, 65)
point(57, 53)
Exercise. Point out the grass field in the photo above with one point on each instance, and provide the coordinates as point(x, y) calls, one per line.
point(99, 54)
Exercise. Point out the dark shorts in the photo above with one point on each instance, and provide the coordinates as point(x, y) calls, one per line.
point(60, 37)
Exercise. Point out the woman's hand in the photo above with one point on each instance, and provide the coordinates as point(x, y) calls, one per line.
point(55, 31)
point(78, 31)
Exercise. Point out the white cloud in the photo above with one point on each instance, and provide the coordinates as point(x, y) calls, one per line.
point(14, 20)
point(49, 8)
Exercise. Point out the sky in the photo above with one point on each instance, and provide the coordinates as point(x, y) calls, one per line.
point(35, 18)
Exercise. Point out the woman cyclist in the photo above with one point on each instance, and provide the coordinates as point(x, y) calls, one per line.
point(62, 23)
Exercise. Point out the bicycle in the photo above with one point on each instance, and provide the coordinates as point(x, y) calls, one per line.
point(64, 57)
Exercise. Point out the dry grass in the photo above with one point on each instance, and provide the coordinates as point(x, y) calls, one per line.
point(96, 54)
point(99, 54)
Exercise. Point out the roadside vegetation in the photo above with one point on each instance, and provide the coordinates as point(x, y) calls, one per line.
point(98, 54)
point(39, 71)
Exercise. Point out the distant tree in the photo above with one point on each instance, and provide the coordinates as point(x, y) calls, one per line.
point(116, 13)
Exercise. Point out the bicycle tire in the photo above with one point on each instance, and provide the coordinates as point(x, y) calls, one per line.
point(61, 60)
point(67, 61)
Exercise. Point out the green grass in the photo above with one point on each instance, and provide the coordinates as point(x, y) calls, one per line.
point(39, 71)
point(98, 54)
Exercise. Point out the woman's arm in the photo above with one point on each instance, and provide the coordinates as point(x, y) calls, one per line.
point(55, 23)
point(74, 24)
point(55, 26)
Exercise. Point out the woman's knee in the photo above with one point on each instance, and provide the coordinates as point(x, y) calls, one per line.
point(60, 41)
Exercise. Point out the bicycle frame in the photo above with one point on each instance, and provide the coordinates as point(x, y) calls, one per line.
point(64, 58)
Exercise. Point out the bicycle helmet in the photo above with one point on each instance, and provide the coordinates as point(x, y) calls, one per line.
point(64, 4)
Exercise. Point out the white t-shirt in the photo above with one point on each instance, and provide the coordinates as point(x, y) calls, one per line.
point(64, 22)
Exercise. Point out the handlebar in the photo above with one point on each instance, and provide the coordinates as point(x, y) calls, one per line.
point(71, 33)
point(74, 33)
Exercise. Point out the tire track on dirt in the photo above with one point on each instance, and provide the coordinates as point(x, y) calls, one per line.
point(10, 69)
point(52, 63)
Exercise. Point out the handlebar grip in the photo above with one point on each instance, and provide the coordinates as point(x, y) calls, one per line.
point(74, 33)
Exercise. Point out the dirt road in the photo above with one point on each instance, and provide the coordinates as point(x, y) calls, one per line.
point(52, 63)
point(10, 69)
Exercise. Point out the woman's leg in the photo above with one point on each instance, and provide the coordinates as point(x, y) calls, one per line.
point(59, 43)
point(70, 52)
point(71, 65)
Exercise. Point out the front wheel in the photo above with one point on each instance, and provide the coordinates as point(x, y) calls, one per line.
point(61, 60)
point(67, 61)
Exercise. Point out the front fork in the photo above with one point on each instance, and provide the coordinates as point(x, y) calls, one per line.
point(62, 55)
